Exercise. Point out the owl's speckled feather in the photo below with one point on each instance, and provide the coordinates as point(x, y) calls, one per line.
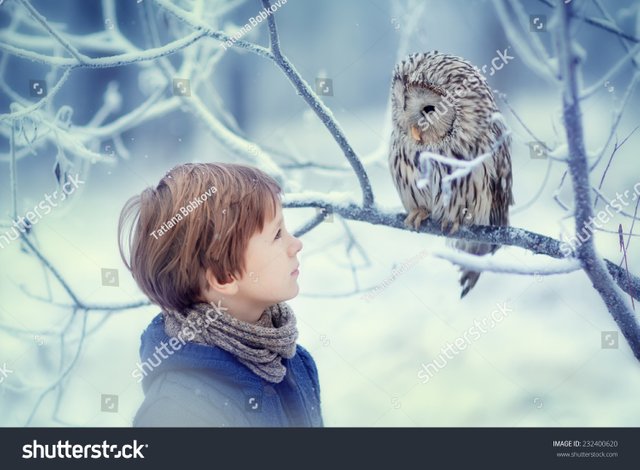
point(442, 104)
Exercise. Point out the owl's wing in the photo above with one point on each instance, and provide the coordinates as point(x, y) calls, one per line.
point(399, 167)
point(502, 195)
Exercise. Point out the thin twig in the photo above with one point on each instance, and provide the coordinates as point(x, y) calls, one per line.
point(13, 174)
point(616, 147)
point(624, 257)
point(43, 22)
point(597, 23)
point(76, 301)
point(66, 372)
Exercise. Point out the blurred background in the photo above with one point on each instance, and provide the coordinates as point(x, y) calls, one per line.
point(557, 359)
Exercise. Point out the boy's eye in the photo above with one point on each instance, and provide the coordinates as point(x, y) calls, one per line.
point(278, 234)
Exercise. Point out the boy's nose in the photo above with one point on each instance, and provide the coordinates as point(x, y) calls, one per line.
point(296, 246)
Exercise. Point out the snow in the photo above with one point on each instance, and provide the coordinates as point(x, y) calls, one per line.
point(333, 197)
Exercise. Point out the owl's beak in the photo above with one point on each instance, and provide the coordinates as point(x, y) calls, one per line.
point(415, 133)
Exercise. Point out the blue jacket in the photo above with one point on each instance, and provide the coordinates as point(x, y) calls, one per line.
point(196, 385)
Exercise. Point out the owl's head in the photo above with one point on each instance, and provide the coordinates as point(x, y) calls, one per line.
point(437, 98)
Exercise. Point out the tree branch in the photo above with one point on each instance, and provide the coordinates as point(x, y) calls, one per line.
point(319, 108)
point(579, 170)
point(511, 236)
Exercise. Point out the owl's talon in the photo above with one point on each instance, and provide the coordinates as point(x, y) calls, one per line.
point(415, 218)
point(449, 228)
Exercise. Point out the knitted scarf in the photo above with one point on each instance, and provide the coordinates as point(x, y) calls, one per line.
point(260, 346)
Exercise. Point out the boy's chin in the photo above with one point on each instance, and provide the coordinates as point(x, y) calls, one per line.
point(290, 295)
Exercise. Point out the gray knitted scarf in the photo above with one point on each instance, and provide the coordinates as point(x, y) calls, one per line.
point(260, 346)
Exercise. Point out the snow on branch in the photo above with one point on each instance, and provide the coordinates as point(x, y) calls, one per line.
point(545, 267)
point(118, 60)
point(464, 167)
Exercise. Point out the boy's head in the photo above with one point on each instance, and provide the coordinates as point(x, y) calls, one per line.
point(208, 232)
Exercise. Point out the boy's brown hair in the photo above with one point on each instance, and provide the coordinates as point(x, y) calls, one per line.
point(200, 216)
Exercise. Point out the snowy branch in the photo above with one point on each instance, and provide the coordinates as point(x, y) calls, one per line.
point(487, 263)
point(462, 167)
point(118, 60)
point(510, 236)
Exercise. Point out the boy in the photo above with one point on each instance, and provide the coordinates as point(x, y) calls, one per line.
point(209, 246)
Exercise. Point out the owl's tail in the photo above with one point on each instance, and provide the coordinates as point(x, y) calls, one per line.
point(502, 198)
point(469, 278)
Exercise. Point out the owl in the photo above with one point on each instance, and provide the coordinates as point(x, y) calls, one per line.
point(442, 104)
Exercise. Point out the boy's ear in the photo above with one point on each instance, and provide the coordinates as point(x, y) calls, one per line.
point(228, 288)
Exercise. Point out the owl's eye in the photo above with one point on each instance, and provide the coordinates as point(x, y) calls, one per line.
point(428, 109)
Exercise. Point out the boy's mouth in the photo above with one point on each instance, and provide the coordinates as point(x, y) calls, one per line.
point(295, 271)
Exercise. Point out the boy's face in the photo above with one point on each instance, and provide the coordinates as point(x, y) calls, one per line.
point(270, 276)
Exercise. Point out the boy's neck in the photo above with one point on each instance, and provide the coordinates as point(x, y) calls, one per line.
point(241, 309)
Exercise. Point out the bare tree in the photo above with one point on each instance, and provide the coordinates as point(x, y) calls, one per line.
point(32, 125)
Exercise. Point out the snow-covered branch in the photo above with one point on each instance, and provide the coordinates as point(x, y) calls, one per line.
point(462, 167)
point(512, 236)
point(546, 267)
point(118, 60)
